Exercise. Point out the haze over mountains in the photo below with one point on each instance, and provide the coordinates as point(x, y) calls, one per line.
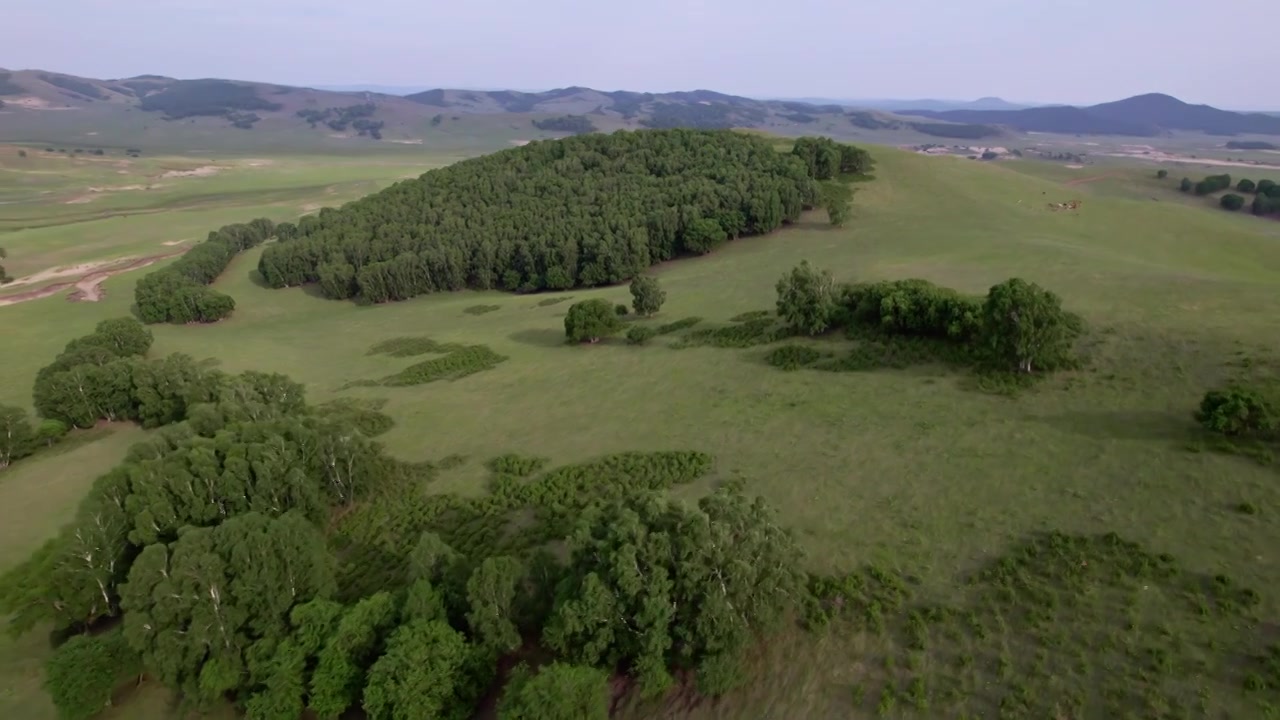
point(35, 105)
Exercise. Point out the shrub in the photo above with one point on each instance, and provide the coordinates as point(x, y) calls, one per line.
point(1236, 411)
point(81, 674)
point(621, 310)
point(1265, 186)
point(1231, 201)
point(640, 334)
point(1162, 174)
point(51, 431)
point(1246, 185)
point(741, 335)
point(410, 346)
point(457, 364)
point(557, 692)
point(678, 325)
point(590, 320)
point(792, 357)
point(1212, 184)
point(913, 307)
point(481, 309)
point(1185, 185)
point(516, 465)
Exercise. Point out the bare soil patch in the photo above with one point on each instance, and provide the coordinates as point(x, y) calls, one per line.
point(88, 288)
point(202, 171)
point(1140, 153)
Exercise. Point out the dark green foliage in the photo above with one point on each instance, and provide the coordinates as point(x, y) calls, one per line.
point(1238, 411)
point(358, 117)
point(1231, 201)
point(647, 296)
point(481, 309)
point(583, 211)
point(457, 364)
point(1186, 185)
point(575, 124)
point(836, 197)
point(491, 596)
point(913, 307)
point(187, 98)
point(515, 465)
point(548, 302)
point(1266, 204)
point(359, 413)
point(1162, 174)
point(410, 346)
point(621, 310)
point(1246, 186)
point(352, 647)
point(179, 292)
point(94, 377)
point(1266, 186)
point(678, 325)
point(640, 334)
point(827, 159)
point(590, 320)
point(1212, 184)
point(807, 299)
point(792, 357)
point(556, 692)
point(750, 315)
point(750, 333)
point(82, 673)
point(421, 675)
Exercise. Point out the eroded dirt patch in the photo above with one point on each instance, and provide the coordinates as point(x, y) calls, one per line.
point(87, 288)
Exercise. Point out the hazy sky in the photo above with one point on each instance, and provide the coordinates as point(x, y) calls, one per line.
point(1073, 51)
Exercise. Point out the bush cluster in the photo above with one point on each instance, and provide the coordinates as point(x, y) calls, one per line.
point(457, 364)
point(179, 293)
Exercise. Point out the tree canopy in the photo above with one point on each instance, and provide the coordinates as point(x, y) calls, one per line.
point(579, 212)
point(590, 320)
point(179, 293)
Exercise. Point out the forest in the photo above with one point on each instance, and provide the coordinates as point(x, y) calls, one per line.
point(188, 98)
point(583, 211)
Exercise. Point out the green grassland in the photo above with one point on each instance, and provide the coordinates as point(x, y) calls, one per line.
point(912, 470)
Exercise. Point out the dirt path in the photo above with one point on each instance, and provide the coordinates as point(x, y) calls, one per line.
point(1094, 178)
point(88, 288)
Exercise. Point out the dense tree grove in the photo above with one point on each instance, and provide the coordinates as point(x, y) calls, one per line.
point(827, 159)
point(582, 211)
point(179, 293)
point(576, 124)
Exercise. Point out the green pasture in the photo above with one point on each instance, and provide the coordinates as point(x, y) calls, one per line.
point(912, 470)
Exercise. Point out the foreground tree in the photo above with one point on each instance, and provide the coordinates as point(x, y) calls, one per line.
point(806, 299)
point(646, 296)
point(195, 609)
point(590, 320)
point(420, 675)
point(556, 692)
point(82, 673)
point(1237, 411)
point(1026, 327)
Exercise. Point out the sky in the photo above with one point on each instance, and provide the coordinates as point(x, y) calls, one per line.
point(1069, 51)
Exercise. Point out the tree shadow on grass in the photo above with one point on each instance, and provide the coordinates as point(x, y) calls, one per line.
point(539, 337)
point(1146, 425)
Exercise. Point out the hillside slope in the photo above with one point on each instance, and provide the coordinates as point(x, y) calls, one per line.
point(211, 114)
point(1142, 115)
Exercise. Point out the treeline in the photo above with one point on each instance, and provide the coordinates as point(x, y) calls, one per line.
point(1017, 327)
point(205, 557)
point(583, 211)
point(179, 293)
point(576, 124)
point(709, 116)
point(1251, 145)
point(214, 98)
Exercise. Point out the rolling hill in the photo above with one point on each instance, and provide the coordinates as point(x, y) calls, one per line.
point(1147, 115)
point(213, 114)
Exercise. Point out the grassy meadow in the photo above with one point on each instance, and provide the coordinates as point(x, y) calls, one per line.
point(910, 470)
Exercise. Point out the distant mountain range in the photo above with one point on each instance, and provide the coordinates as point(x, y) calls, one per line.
point(131, 111)
point(1141, 116)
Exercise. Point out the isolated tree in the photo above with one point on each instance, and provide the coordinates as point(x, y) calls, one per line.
point(1246, 185)
point(420, 674)
point(1026, 327)
point(1162, 174)
point(1231, 201)
point(646, 296)
point(555, 692)
point(806, 299)
point(1186, 185)
point(590, 320)
point(837, 197)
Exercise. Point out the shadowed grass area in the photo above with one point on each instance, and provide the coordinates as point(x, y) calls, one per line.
point(905, 470)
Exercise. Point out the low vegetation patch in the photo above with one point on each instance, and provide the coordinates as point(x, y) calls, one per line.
point(481, 309)
point(410, 346)
point(548, 302)
point(677, 325)
point(457, 364)
point(792, 357)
